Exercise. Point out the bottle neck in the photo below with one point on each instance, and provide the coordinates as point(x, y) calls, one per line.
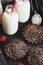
point(9, 8)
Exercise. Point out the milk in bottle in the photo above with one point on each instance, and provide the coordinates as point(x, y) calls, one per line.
point(23, 10)
point(10, 21)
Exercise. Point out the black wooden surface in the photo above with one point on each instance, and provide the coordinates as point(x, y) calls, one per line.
point(18, 35)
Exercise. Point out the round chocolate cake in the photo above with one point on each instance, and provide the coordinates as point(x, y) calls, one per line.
point(16, 49)
point(33, 33)
point(35, 56)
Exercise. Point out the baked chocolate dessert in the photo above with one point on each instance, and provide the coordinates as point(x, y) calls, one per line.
point(35, 56)
point(33, 33)
point(16, 49)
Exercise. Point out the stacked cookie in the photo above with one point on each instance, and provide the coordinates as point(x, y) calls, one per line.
point(16, 49)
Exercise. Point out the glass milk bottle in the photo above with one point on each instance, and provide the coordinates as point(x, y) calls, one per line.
point(1, 11)
point(23, 10)
point(10, 21)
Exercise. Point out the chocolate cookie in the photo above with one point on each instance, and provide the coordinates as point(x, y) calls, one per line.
point(35, 56)
point(16, 49)
point(33, 33)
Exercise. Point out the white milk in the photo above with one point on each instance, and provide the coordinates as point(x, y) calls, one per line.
point(10, 21)
point(23, 9)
